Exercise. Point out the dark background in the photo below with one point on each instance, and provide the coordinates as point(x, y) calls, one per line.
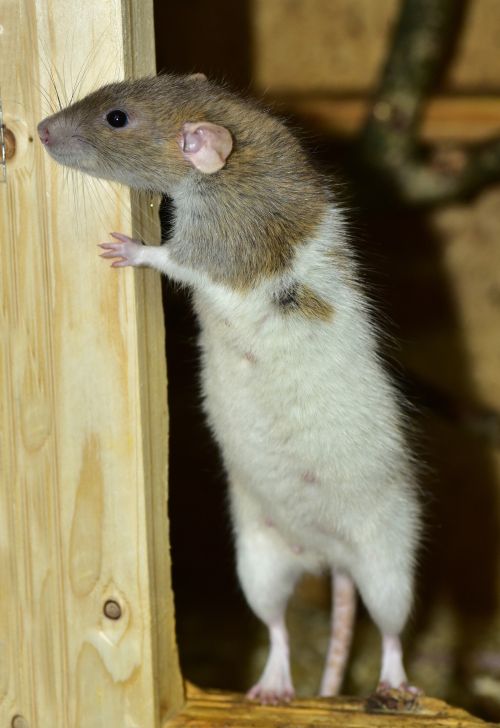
point(406, 259)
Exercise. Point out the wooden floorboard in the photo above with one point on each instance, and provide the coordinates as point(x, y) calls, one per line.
point(216, 709)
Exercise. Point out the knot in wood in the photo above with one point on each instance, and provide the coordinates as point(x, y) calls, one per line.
point(9, 141)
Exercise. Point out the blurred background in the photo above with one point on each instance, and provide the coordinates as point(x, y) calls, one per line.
point(398, 101)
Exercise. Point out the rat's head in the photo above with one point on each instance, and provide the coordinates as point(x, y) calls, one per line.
point(147, 134)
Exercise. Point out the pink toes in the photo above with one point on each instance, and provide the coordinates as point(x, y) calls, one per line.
point(114, 250)
point(267, 696)
point(127, 251)
point(123, 238)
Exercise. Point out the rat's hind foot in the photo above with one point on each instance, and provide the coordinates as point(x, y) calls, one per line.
point(393, 700)
point(271, 695)
point(275, 684)
point(394, 693)
point(128, 251)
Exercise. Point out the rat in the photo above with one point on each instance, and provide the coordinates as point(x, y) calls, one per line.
point(312, 430)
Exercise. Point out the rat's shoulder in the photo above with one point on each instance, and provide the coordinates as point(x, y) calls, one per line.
point(320, 277)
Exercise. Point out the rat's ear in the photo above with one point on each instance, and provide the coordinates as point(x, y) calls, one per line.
point(205, 145)
point(197, 77)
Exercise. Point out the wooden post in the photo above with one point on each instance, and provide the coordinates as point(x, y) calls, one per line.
point(86, 613)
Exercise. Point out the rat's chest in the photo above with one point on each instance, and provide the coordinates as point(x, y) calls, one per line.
point(251, 353)
point(300, 409)
point(247, 373)
point(245, 358)
point(266, 379)
point(279, 376)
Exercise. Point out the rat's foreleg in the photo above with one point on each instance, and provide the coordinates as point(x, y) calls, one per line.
point(130, 252)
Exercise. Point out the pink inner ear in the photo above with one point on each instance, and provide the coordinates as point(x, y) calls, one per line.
point(192, 141)
point(206, 146)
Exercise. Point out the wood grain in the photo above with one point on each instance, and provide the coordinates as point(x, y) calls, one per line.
point(83, 433)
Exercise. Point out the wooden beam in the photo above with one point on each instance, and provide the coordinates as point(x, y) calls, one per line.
point(463, 119)
point(86, 610)
point(213, 709)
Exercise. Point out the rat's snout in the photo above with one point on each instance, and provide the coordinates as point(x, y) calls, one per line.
point(58, 135)
point(43, 132)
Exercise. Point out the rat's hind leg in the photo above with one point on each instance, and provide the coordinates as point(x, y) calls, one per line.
point(342, 622)
point(268, 571)
point(384, 578)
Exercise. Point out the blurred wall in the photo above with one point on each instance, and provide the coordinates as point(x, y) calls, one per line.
point(437, 276)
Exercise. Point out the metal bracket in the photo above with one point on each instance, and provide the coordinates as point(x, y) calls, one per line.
point(3, 153)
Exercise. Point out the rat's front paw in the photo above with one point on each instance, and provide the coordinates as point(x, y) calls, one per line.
point(128, 251)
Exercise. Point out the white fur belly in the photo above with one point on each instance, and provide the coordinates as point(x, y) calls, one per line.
point(303, 425)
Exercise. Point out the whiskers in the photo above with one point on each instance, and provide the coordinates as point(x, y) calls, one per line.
point(99, 206)
point(61, 86)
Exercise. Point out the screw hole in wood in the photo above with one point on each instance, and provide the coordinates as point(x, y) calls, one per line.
point(19, 722)
point(112, 609)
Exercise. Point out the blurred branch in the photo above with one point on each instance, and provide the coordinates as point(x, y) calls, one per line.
point(425, 33)
point(475, 418)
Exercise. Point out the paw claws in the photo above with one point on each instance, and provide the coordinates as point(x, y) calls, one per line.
point(122, 238)
point(125, 249)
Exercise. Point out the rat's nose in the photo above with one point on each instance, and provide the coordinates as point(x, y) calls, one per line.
point(43, 132)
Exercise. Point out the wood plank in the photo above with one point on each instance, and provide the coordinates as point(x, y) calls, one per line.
point(338, 46)
point(212, 709)
point(83, 419)
point(466, 119)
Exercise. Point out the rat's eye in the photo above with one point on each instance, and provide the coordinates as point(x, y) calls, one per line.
point(117, 118)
